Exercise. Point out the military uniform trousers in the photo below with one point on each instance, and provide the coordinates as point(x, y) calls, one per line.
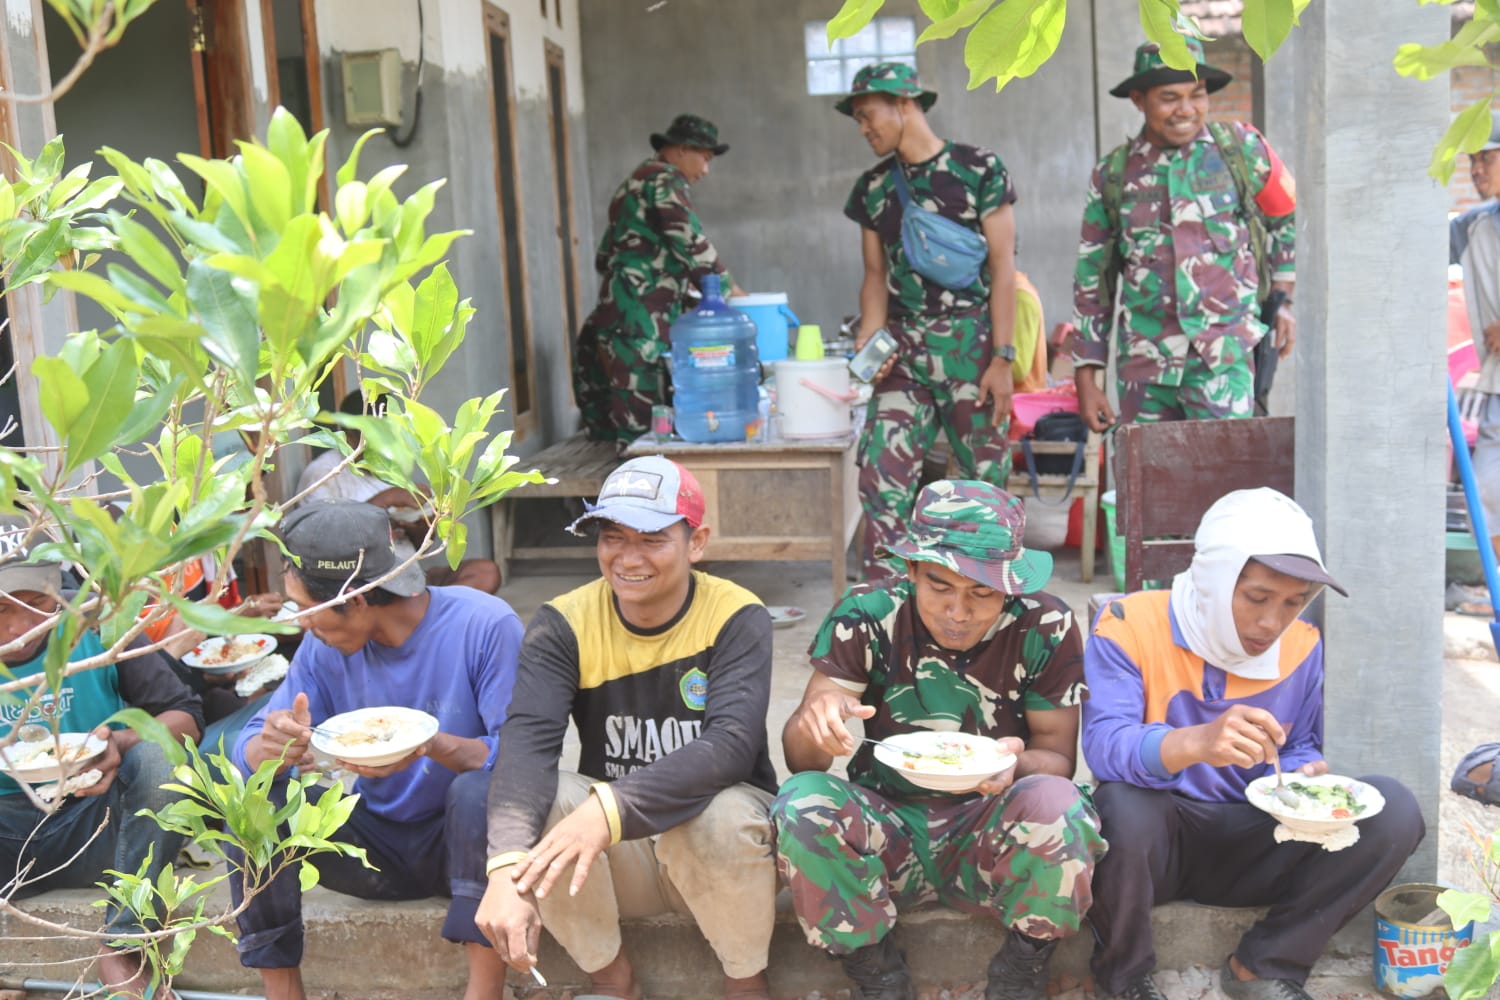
point(854, 857)
point(934, 386)
point(718, 868)
point(617, 369)
point(1206, 391)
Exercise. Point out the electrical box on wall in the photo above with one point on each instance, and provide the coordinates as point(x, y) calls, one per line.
point(372, 87)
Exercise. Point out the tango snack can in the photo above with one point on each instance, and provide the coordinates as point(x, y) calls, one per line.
point(1414, 940)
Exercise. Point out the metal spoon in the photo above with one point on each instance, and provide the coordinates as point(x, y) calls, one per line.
point(536, 974)
point(1283, 793)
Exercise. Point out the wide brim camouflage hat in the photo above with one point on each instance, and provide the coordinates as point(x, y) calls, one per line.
point(975, 530)
point(691, 130)
point(1151, 71)
point(896, 79)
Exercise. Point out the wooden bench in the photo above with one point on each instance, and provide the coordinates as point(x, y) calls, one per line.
point(576, 467)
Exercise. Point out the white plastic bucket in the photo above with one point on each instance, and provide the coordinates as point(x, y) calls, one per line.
point(774, 322)
point(813, 398)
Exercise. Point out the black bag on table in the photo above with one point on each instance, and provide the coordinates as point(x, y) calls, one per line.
point(1059, 425)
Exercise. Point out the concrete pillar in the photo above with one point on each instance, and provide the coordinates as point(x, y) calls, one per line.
point(1371, 445)
point(1117, 32)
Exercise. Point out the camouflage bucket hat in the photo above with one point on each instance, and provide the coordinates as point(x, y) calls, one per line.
point(1151, 71)
point(896, 79)
point(974, 529)
point(690, 130)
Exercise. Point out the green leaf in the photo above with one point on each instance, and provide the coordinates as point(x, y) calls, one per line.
point(1466, 134)
point(269, 184)
point(350, 169)
point(64, 396)
point(146, 414)
point(41, 252)
point(307, 876)
point(110, 383)
point(285, 138)
point(96, 288)
point(153, 731)
point(962, 14)
point(1463, 907)
point(936, 10)
point(1266, 24)
point(852, 18)
point(1160, 20)
point(225, 305)
point(148, 252)
point(1014, 40)
point(214, 620)
point(1474, 969)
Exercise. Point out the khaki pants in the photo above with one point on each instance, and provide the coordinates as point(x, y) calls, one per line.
point(719, 868)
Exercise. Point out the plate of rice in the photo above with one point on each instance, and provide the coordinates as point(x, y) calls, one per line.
point(373, 737)
point(1327, 803)
point(943, 762)
point(225, 654)
point(40, 762)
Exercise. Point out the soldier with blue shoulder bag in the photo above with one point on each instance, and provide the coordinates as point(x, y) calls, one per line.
point(938, 244)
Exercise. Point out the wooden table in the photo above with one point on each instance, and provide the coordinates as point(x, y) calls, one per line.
point(773, 500)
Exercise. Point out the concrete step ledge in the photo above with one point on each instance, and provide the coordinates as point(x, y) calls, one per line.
point(358, 947)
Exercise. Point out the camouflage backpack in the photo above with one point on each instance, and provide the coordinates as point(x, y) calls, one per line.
point(1113, 190)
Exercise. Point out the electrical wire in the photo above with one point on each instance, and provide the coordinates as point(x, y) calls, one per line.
point(416, 111)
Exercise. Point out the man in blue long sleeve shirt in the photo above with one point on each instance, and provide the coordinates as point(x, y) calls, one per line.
point(1194, 692)
point(447, 651)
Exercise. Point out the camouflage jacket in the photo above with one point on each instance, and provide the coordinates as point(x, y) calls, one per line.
point(962, 183)
point(873, 642)
point(1189, 273)
point(653, 249)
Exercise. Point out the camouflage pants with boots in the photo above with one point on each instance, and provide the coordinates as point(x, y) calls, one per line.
point(854, 858)
point(933, 387)
point(617, 370)
point(1205, 393)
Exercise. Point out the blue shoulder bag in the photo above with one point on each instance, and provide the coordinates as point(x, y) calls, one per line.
point(939, 249)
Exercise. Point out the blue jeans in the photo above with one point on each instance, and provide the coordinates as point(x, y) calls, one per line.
point(410, 867)
point(120, 846)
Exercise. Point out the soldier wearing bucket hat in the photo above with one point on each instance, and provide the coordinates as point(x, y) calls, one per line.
point(1203, 280)
point(952, 312)
point(667, 672)
point(967, 643)
point(1195, 693)
point(652, 259)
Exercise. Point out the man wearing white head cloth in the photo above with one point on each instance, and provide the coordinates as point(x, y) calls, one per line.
point(1194, 693)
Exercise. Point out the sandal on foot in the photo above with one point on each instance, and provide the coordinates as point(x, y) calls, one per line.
point(1487, 791)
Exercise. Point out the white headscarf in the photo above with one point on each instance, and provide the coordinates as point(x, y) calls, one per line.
point(1242, 524)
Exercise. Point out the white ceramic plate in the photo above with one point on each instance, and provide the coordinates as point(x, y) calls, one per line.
point(268, 671)
point(287, 612)
point(943, 762)
point(374, 736)
point(1314, 818)
point(37, 763)
point(784, 615)
point(224, 654)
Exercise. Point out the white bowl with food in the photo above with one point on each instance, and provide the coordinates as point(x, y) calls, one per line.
point(1327, 803)
point(39, 762)
point(373, 737)
point(943, 762)
point(226, 654)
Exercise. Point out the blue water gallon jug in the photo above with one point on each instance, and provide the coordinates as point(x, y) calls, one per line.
point(715, 370)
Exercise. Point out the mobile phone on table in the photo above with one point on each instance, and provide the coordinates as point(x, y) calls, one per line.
point(868, 359)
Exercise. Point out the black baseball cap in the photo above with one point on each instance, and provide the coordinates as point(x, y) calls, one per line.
point(348, 541)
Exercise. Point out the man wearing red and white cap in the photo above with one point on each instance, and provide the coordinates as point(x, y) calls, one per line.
point(666, 671)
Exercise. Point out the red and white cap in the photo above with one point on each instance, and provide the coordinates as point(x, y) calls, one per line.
point(647, 494)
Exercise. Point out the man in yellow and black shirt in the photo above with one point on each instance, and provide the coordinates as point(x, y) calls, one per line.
point(667, 673)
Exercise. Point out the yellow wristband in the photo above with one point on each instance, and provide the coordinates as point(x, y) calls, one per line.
point(606, 797)
point(505, 860)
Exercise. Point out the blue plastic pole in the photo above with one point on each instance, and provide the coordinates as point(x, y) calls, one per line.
point(1476, 508)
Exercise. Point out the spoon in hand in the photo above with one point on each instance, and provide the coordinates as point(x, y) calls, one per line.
point(1285, 795)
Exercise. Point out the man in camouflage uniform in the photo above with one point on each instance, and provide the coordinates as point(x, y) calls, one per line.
point(952, 367)
point(1190, 317)
point(966, 643)
point(652, 256)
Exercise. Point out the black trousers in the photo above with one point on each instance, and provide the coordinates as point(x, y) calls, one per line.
point(1164, 847)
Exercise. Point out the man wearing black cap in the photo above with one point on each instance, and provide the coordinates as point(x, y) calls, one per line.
point(96, 827)
point(1198, 697)
point(1474, 243)
point(1174, 214)
point(447, 651)
point(652, 258)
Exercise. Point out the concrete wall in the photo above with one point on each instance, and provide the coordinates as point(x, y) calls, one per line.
point(1371, 443)
point(774, 204)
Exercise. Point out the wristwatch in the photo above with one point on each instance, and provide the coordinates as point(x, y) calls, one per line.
point(1006, 352)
